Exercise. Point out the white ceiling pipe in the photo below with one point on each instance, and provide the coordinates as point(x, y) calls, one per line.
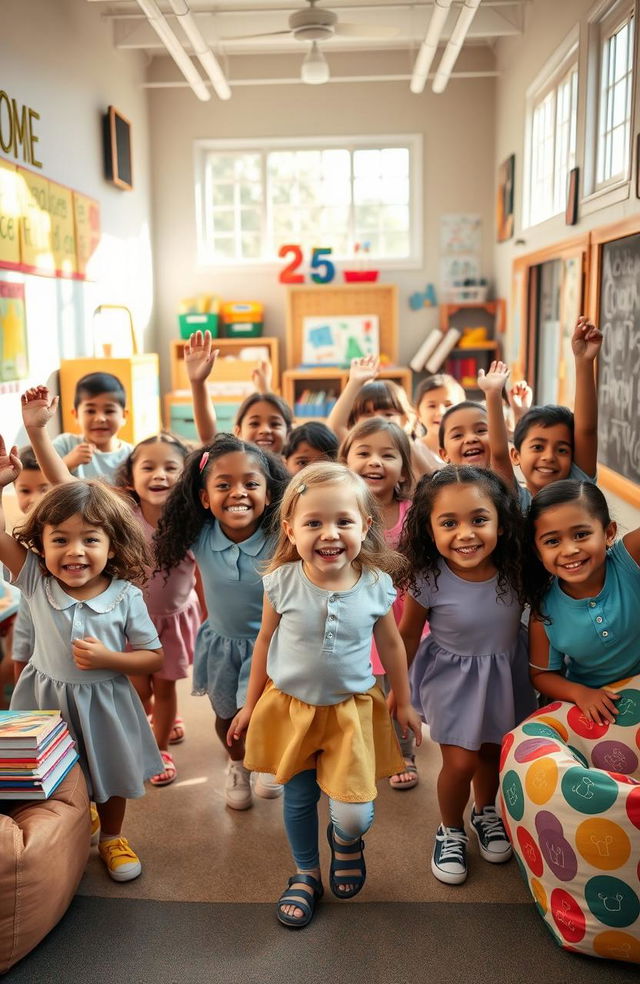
point(160, 25)
point(429, 45)
point(451, 52)
point(204, 53)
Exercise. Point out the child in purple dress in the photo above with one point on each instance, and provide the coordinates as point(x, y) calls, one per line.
point(462, 536)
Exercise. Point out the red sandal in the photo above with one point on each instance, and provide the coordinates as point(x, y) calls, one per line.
point(168, 774)
point(176, 736)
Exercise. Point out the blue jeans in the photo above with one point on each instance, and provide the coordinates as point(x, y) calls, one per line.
point(301, 795)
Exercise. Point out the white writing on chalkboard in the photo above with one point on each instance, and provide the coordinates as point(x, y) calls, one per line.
point(619, 363)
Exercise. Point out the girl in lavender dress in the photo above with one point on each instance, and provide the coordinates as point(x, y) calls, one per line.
point(462, 536)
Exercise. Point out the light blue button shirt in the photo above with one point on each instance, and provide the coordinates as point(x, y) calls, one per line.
point(599, 636)
point(321, 649)
point(104, 464)
point(116, 616)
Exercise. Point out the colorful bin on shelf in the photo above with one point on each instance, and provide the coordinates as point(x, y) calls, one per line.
point(570, 796)
point(198, 322)
point(242, 319)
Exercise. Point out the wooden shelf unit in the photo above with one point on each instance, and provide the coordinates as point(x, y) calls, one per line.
point(230, 369)
point(295, 381)
point(488, 314)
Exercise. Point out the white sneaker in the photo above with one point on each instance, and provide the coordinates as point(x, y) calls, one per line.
point(237, 786)
point(266, 786)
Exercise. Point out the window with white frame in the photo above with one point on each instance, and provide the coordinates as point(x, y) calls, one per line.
point(252, 199)
point(551, 145)
point(614, 103)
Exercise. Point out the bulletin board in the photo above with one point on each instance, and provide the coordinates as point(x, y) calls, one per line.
point(615, 305)
point(305, 301)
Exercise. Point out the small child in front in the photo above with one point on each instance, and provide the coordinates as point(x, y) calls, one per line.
point(100, 407)
point(315, 716)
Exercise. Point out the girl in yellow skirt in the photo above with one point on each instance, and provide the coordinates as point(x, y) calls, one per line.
point(317, 719)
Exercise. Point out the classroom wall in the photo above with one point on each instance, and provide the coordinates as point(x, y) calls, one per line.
point(58, 58)
point(458, 135)
point(519, 60)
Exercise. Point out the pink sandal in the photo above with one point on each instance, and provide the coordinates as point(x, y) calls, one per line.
point(168, 774)
point(177, 732)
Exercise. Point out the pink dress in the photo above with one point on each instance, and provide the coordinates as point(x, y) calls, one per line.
point(392, 536)
point(174, 609)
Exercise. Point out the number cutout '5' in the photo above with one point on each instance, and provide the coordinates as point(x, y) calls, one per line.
point(317, 261)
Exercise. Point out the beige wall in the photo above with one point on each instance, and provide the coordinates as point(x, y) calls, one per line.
point(58, 58)
point(458, 135)
point(519, 61)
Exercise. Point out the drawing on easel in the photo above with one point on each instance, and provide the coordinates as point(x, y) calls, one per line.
point(336, 340)
point(13, 332)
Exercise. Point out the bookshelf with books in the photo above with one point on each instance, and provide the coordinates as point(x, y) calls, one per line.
point(313, 392)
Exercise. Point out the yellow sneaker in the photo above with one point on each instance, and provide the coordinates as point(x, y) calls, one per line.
point(95, 824)
point(123, 864)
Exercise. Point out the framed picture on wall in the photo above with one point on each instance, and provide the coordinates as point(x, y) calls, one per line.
point(571, 211)
point(505, 198)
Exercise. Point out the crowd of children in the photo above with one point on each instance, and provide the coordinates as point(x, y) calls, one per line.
point(334, 587)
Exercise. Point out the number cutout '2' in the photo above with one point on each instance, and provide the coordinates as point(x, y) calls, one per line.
point(288, 275)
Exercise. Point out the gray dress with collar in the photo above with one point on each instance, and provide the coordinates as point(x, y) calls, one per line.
point(102, 710)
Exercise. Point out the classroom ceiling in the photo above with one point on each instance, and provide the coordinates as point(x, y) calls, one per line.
point(230, 27)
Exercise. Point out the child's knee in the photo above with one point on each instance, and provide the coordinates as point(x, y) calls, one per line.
point(350, 820)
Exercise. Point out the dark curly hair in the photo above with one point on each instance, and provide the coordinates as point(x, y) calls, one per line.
point(546, 416)
point(124, 475)
point(184, 515)
point(537, 579)
point(107, 509)
point(417, 543)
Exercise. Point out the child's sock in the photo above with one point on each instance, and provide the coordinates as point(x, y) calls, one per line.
point(109, 837)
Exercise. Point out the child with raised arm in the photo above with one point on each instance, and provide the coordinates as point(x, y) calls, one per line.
point(314, 714)
point(263, 418)
point(70, 558)
point(100, 407)
point(584, 589)
point(550, 442)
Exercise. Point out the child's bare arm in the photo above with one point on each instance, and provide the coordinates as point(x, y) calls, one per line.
point(586, 343)
point(394, 659)
point(362, 371)
point(411, 625)
point(258, 674)
point(199, 360)
point(423, 460)
point(492, 384)
point(520, 397)
point(262, 377)
point(12, 553)
point(90, 654)
point(38, 408)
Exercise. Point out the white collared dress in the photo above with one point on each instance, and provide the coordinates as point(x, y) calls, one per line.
point(102, 710)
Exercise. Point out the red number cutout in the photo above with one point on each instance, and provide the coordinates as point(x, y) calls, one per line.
point(287, 276)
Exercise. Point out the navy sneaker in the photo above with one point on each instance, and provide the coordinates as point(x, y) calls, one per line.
point(492, 837)
point(449, 861)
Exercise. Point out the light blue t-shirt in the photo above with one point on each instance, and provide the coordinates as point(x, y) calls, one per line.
point(599, 636)
point(321, 649)
point(232, 579)
point(525, 498)
point(116, 616)
point(104, 464)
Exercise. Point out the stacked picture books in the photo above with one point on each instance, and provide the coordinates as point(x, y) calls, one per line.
point(36, 752)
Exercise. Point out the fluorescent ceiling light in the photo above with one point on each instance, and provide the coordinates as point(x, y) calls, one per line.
point(160, 25)
point(429, 45)
point(315, 68)
point(456, 40)
point(204, 53)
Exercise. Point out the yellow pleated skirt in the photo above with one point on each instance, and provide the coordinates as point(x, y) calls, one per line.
point(350, 744)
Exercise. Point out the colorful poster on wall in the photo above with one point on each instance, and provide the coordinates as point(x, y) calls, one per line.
point(336, 340)
point(9, 215)
point(35, 227)
point(14, 363)
point(460, 233)
point(63, 238)
point(505, 198)
point(87, 229)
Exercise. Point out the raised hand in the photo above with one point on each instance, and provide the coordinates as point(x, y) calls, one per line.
point(365, 369)
point(586, 340)
point(520, 397)
point(495, 379)
point(262, 377)
point(199, 356)
point(10, 464)
point(38, 407)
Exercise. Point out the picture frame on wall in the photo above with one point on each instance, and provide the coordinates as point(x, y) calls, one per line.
point(117, 149)
point(571, 211)
point(505, 199)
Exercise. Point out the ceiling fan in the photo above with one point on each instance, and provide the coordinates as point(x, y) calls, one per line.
point(315, 24)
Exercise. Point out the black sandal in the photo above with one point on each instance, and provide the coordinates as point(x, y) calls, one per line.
point(335, 880)
point(301, 899)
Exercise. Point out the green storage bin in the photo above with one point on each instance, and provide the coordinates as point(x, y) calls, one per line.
point(243, 329)
point(197, 322)
point(182, 422)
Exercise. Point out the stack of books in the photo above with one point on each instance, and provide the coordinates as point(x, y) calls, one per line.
point(36, 752)
point(315, 403)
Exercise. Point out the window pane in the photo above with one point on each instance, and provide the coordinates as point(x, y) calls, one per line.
point(619, 100)
point(366, 163)
point(250, 246)
point(396, 243)
point(621, 40)
point(394, 162)
point(222, 194)
point(224, 247)
point(618, 150)
point(223, 220)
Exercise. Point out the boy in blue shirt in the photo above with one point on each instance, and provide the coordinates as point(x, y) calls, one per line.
point(99, 406)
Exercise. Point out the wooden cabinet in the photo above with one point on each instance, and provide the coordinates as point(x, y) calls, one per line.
point(139, 374)
point(230, 367)
point(467, 358)
point(328, 384)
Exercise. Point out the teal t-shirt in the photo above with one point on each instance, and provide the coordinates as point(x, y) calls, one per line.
point(599, 636)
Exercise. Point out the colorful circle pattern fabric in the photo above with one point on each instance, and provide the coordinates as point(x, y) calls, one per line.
point(570, 796)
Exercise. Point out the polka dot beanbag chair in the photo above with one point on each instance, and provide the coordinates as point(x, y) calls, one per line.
point(570, 795)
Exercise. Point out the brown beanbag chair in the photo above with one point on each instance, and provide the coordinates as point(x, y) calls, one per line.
point(44, 847)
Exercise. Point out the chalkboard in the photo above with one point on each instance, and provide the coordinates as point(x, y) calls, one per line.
point(117, 149)
point(619, 361)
